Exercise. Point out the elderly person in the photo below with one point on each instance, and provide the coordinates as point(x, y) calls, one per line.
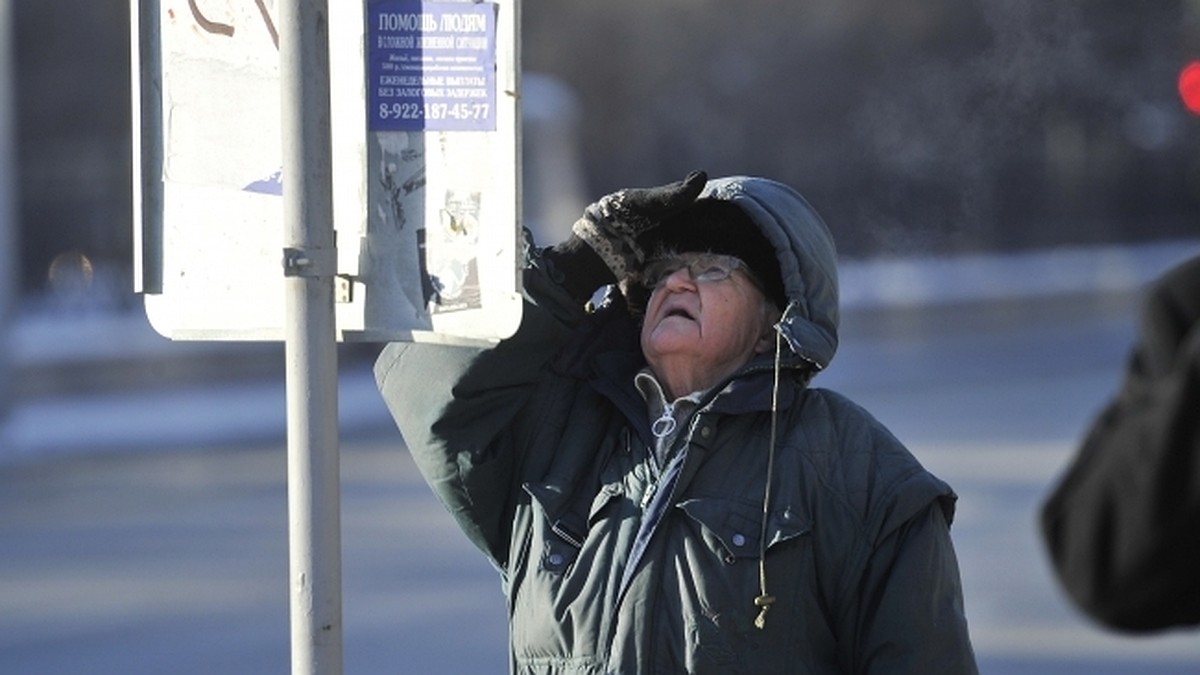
point(653, 477)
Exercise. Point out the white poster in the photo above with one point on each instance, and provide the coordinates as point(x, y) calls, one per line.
point(425, 165)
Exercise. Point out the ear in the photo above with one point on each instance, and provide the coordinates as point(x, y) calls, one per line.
point(766, 339)
point(765, 344)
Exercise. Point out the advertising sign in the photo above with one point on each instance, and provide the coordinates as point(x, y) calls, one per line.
point(431, 67)
point(425, 166)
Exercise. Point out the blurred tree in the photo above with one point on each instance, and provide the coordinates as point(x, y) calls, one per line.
point(917, 125)
point(913, 125)
point(72, 78)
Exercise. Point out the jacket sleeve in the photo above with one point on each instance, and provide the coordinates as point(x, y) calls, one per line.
point(1121, 526)
point(910, 617)
point(460, 409)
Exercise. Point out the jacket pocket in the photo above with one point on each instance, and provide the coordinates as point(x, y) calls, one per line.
point(561, 526)
point(722, 580)
point(732, 529)
point(558, 531)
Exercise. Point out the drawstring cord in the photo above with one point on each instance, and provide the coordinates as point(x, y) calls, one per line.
point(764, 599)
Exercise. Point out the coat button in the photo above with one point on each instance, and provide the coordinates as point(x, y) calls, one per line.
point(555, 559)
point(739, 539)
point(705, 432)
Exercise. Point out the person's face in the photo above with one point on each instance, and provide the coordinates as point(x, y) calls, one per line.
point(704, 329)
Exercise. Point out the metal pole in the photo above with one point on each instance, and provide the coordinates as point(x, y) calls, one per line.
point(145, 60)
point(310, 265)
point(8, 256)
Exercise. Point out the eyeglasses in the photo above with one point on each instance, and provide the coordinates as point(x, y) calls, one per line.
point(701, 267)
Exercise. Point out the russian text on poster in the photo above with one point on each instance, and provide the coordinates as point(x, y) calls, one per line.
point(431, 66)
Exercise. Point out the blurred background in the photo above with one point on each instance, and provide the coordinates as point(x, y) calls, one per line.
point(1002, 179)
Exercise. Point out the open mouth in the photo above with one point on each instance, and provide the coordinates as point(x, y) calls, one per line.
point(680, 312)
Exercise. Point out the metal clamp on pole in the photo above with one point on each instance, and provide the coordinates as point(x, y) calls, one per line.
point(310, 262)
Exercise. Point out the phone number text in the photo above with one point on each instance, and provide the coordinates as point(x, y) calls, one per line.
point(433, 111)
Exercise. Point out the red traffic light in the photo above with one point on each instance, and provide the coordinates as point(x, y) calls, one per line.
point(1189, 87)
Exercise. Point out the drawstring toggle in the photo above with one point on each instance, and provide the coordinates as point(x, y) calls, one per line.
point(763, 602)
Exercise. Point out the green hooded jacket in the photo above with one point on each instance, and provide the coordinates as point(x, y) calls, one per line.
point(540, 449)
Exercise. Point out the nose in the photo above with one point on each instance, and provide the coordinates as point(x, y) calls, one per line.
point(678, 280)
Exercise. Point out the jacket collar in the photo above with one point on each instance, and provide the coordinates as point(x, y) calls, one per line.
point(748, 390)
point(610, 358)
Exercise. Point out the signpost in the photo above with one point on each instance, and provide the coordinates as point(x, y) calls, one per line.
point(314, 173)
point(309, 265)
point(8, 257)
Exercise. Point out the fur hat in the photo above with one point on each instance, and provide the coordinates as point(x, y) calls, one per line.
point(719, 226)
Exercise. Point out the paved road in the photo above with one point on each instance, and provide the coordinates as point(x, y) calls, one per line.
point(177, 561)
point(993, 399)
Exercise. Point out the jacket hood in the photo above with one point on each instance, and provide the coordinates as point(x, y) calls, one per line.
point(807, 260)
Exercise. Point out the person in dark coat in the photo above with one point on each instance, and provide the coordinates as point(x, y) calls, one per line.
point(1123, 526)
point(658, 486)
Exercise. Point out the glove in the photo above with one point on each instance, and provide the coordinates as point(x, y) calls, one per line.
point(611, 225)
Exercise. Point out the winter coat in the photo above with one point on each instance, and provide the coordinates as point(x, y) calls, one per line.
point(1121, 527)
point(539, 447)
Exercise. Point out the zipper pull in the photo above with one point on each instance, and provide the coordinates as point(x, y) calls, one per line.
point(649, 495)
point(665, 424)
